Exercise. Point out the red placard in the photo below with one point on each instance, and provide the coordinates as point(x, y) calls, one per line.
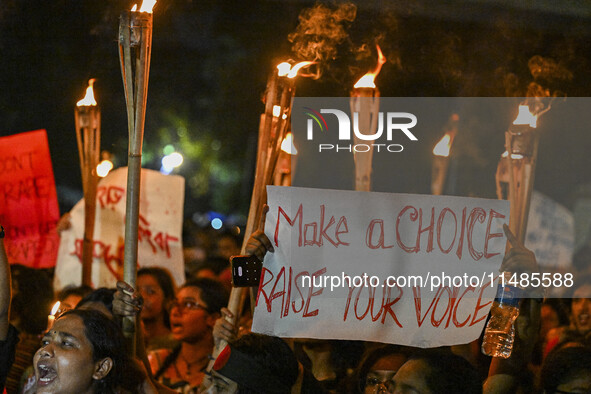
point(29, 210)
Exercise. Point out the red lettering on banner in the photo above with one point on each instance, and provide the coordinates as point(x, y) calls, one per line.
point(112, 259)
point(386, 304)
point(156, 241)
point(480, 307)
point(369, 235)
point(492, 215)
point(455, 311)
point(439, 225)
point(477, 214)
point(413, 217)
point(313, 293)
point(282, 288)
point(320, 230)
point(109, 196)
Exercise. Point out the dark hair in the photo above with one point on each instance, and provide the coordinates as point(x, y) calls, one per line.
point(214, 295)
point(448, 372)
point(558, 305)
point(102, 295)
point(579, 280)
point(80, 291)
point(564, 364)
point(32, 299)
point(165, 282)
point(261, 364)
point(212, 292)
point(372, 356)
point(107, 340)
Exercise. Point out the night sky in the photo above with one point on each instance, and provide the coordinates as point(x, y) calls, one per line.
point(210, 62)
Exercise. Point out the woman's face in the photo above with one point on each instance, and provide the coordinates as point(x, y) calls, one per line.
point(64, 363)
point(189, 320)
point(410, 378)
point(380, 376)
point(153, 297)
point(581, 308)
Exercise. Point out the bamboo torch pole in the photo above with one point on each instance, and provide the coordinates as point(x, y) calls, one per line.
point(87, 116)
point(273, 126)
point(521, 143)
point(135, 46)
point(441, 158)
point(365, 107)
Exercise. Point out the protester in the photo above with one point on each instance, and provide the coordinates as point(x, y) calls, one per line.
point(69, 297)
point(580, 316)
point(8, 333)
point(377, 368)
point(255, 364)
point(84, 352)
point(567, 370)
point(156, 286)
point(31, 303)
point(100, 299)
point(192, 316)
point(436, 371)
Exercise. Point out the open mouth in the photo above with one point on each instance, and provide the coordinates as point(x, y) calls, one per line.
point(46, 375)
point(584, 319)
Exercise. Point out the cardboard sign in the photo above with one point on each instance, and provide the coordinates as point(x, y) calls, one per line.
point(29, 210)
point(550, 232)
point(159, 235)
point(416, 270)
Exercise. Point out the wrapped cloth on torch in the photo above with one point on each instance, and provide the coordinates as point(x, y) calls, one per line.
point(441, 153)
point(365, 108)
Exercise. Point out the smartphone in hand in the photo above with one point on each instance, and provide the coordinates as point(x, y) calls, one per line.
point(246, 271)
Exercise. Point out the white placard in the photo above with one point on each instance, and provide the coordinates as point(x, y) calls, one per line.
point(550, 232)
point(330, 235)
point(159, 235)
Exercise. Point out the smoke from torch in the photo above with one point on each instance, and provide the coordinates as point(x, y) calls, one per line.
point(320, 31)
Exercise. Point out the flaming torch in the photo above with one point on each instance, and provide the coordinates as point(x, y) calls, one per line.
point(365, 107)
point(135, 46)
point(272, 130)
point(441, 153)
point(521, 143)
point(87, 116)
point(286, 162)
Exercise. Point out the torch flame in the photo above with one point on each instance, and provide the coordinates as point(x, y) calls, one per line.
point(524, 117)
point(55, 308)
point(443, 147)
point(287, 145)
point(147, 6)
point(89, 98)
point(368, 80)
point(286, 70)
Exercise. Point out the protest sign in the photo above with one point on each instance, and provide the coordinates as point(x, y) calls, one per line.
point(416, 270)
point(28, 200)
point(160, 230)
point(550, 232)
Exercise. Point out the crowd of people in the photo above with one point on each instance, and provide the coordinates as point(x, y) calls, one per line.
point(177, 329)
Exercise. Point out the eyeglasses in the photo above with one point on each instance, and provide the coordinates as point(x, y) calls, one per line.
point(185, 305)
point(380, 386)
